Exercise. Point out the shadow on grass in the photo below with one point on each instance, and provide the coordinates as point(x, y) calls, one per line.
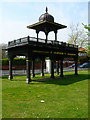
point(15, 78)
point(68, 79)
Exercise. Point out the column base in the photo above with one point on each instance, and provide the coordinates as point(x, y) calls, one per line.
point(57, 73)
point(76, 74)
point(42, 74)
point(28, 80)
point(61, 76)
point(33, 75)
point(10, 77)
point(52, 77)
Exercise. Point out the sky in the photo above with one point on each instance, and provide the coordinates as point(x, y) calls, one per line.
point(16, 16)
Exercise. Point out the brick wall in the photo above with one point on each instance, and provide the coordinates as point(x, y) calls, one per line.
point(22, 67)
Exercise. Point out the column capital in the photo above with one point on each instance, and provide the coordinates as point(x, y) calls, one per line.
point(28, 36)
point(27, 58)
point(61, 59)
point(42, 59)
point(52, 59)
point(10, 58)
point(76, 58)
point(55, 31)
point(33, 58)
point(37, 31)
point(46, 32)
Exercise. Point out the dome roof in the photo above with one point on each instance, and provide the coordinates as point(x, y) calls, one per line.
point(46, 17)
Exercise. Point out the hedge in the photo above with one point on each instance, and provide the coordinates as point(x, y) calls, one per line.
point(4, 61)
point(17, 61)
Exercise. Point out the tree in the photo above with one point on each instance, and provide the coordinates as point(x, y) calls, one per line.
point(3, 52)
point(77, 36)
point(88, 28)
point(88, 33)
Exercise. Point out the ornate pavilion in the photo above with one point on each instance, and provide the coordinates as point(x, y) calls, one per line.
point(32, 47)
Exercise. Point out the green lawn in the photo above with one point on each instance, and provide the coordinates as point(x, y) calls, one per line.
point(64, 98)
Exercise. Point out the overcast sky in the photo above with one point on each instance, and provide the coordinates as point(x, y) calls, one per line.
point(16, 16)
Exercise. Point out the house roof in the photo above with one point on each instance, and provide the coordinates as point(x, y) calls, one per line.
point(81, 49)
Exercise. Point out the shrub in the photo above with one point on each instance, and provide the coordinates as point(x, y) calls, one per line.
point(4, 61)
point(17, 61)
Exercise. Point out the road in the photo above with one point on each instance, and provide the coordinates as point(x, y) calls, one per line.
point(23, 72)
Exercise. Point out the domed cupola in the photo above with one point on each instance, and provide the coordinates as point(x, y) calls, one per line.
point(46, 17)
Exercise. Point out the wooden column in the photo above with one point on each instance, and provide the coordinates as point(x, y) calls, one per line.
point(28, 79)
point(42, 67)
point(52, 68)
point(76, 62)
point(61, 67)
point(33, 74)
point(55, 35)
point(46, 33)
point(28, 38)
point(37, 35)
point(57, 67)
point(10, 69)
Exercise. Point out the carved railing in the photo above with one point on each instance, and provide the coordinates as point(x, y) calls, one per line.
point(28, 39)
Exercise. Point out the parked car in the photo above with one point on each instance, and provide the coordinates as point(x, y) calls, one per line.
point(85, 65)
point(73, 65)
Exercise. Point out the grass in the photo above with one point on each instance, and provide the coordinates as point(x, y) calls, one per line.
point(64, 98)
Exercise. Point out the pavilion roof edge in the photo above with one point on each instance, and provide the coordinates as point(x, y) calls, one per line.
point(54, 23)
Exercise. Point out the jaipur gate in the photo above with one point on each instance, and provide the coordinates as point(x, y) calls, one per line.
point(32, 47)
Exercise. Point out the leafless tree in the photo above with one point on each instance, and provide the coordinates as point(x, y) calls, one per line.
point(78, 36)
point(3, 52)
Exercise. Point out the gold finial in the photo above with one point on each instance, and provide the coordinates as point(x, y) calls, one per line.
point(46, 9)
